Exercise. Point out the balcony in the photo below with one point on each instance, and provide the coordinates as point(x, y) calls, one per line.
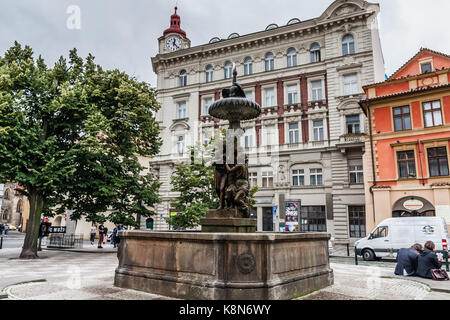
point(352, 140)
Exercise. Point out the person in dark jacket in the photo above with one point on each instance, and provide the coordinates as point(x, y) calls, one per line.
point(428, 261)
point(407, 260)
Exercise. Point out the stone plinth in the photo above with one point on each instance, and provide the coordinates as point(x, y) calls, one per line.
point(228, 221)
point(218, 266)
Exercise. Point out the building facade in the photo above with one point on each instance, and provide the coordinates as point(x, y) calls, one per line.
point(408, 147)
point(306, 148)
point(14, 207)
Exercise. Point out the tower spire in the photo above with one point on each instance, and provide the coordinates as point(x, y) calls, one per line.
point(175, 22)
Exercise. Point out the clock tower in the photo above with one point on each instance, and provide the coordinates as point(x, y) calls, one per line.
point(174, 38)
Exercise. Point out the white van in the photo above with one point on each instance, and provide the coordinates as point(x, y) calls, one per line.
point(394, 234)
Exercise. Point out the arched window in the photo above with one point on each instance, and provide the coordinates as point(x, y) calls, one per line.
point(228, 70)
point(248, 66)
point(5, 215)
point(291, 57)
point(6, 194)
point(269, 62)
point(209, 73)
point(348, 45)
point(19, 206)
point(315, 52)
point(183, 78)
point(149, 223)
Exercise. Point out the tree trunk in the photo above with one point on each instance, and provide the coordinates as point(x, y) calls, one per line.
point(29, 249)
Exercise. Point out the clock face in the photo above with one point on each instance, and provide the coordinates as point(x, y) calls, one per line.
point(173, 43)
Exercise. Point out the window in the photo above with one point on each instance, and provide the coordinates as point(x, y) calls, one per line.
point(316, 90)
point(269, 97)
point(406, 164)
point(402, 118)
point(318, 130)
point(426, 67)
point(380, 232)
point(432, 113)
point(183, 78)
point(348, 45)
point(315, 52)
point(267, 179)
point(291, 57)
point(357, 221)
point(228, 70)
point(316, 178)
point(356, 175)
point(181, 110)
point(313, 219)
point(298, 178)
point(292, 94)
point(248, 66)
point(6, 195)
point(253, 179)
point(269, 62)
point(294, 133)
point(249, 95)
point(350, 84)
point(207, 102)
point(270, 135)
point(248, 140)
point(206, 138)
point(438, 162)
point(209, 73)
point(180, 144)
point(353, 124)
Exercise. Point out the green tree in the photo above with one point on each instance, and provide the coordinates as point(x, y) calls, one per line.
point(71, 135)
point(194, 181)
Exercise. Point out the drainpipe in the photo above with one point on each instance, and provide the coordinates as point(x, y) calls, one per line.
point(373, 158)
point(420, 161)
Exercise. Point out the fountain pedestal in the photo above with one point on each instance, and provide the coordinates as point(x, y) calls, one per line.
point(221, 266)
point(227, 221)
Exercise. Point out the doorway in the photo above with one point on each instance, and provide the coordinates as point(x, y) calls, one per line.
point(268, 219)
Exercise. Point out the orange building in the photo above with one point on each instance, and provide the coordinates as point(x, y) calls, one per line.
point(406, 161)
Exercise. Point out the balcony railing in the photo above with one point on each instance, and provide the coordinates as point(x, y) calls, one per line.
point(354, 138)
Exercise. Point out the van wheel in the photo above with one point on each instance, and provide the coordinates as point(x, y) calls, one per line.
point(368, 255)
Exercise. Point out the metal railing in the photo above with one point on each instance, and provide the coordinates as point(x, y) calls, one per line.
point(65, 241)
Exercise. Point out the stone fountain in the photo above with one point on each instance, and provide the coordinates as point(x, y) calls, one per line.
point(228, 260)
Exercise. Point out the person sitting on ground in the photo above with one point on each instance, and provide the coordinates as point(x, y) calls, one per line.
point(407, 260)
point(427, 261)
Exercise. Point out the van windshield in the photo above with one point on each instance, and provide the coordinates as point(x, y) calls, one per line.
point(380, 232)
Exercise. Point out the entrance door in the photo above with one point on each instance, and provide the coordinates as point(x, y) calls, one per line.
point(268, 219)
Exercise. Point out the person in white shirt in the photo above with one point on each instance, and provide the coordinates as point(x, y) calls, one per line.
point(93, 233)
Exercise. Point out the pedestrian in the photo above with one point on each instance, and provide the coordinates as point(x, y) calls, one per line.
point(105, 235)
point(2, 228)
point(101, 230)
point(116, 235)
point(427, 261)
point(6, 229)
point(407, 260)
point(93, 233)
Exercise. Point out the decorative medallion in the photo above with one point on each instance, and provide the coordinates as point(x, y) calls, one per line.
point(246, 263)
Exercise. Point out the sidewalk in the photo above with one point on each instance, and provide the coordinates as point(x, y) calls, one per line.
point(87, 248)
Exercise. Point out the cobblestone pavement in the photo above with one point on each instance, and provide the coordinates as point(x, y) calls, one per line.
point(88, 276)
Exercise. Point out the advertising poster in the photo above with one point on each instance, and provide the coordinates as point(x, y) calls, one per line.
point(292, 214)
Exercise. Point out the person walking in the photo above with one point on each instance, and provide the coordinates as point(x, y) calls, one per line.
point(93, 233)
point(2, 228)
point(6, 229)
point(101, 230)
point(407, 260)
point(427, 261)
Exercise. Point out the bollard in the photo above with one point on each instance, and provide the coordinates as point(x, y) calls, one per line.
point(446, 261)
point(348, 249)
point(356, 257)
point(1, 242)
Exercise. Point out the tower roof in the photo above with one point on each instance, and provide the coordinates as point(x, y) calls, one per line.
point(175, 22)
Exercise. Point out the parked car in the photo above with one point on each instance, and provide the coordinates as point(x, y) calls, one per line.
point(397, 233)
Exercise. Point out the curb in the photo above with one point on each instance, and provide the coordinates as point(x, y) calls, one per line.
point(429, 283)
point(353, 258)
point(80, 251)
point(3, 288)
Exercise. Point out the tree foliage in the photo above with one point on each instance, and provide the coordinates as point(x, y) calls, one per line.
point(71, 135)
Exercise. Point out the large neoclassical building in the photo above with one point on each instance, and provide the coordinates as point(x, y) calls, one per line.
point(306, 148)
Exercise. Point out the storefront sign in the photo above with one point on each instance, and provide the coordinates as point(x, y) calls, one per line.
point(413, 205)
point(57, 229)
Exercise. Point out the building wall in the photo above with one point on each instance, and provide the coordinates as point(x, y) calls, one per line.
point(333, 155)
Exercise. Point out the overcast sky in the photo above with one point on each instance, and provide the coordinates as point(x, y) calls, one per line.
point(123, 33)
